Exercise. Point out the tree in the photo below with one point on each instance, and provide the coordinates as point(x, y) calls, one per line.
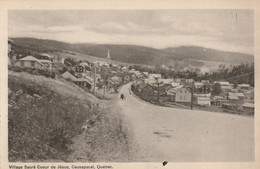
point(216, 89)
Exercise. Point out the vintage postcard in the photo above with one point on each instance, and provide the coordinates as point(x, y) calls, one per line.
point(111, 84)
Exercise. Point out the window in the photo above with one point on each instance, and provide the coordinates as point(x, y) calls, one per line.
point(22, 63)
point(180, 97)
point(32, 63)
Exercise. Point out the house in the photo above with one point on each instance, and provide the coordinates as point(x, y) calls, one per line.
point(229, 106)
point(68, 76)
point(165, 81)
point(146, 74)
point(233, 98)
point(225, 86)
point(47, 63)
point(205, 81)
point(46, 56)
point(153, 75)
point(10, 42)
point(147, 92)
point(243, 86)
point(241, 96)
point(127, 78)
point(117, 79)
point(248, 108)
point(150, 80)
point(124, 69)
point(179, 94)
point(198, 85)
point(82, 82)
point(82, 68)
point(183, 95)
point(32, 62)
point(133, 76)
point(218, 100)
point(203, 101)
point(175, 84)
point(202, 89)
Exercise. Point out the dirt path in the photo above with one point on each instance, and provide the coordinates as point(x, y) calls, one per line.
point(187, 135)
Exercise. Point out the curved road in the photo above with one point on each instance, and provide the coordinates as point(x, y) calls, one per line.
point(185, 135)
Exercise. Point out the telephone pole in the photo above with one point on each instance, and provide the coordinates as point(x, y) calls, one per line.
point(94, 81)
point(192, 94)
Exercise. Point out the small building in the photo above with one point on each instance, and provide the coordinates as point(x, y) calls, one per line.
point(229, 106)
point(243, 86)
point(248, 108)
point(183, 95)
point(46, 56)
point(233, 98)
point(82, 68)
point(203, 101)
point(32, 62)
point(179, 94)
point(154, 75)
point(241, 96)
point(82, 82)
point(218, 100)
point(117, 79)
point(10, 42)
point(225, 86)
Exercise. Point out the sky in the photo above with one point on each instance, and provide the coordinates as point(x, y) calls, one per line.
point(229, 30)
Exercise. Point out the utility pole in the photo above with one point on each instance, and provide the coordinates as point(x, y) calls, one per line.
point(192, 94)
point(158, 96)
point(94, 81)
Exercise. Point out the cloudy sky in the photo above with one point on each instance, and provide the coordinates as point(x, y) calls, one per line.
point(230, 30)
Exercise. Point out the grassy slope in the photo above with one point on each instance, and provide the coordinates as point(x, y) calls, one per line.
point(51, 123)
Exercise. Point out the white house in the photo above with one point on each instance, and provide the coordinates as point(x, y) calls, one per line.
point(179, 94)
point(32, 62)
point(203, 101)
point(154, 75)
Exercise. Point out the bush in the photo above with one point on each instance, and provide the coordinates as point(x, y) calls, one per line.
point(44, 72)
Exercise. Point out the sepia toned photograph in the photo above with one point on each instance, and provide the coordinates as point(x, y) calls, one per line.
point(169, 85)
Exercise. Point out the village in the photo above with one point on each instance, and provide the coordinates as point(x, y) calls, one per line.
point(103, 78)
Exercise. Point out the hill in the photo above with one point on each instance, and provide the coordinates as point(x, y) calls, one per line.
point(200, 53)
point(48, 115)
point(184, 56)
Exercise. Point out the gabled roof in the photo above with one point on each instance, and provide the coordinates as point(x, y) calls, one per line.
point(218, 97)
point(68, 75)
point(240, 94)
point(29, 58)
point(250, 105)
point(175, 89)
point(47, 55)
point(232, 97)
point(243, 85)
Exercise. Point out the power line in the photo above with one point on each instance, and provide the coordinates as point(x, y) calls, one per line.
point(240, 75)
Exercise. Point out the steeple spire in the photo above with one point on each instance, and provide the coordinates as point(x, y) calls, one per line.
point(108, 56)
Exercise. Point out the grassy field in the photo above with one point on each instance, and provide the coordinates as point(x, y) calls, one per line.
point(46, 119)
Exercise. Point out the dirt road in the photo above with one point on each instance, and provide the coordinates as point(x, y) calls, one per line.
point(187, 135)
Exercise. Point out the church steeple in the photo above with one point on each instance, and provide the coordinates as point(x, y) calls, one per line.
point(108, 56)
